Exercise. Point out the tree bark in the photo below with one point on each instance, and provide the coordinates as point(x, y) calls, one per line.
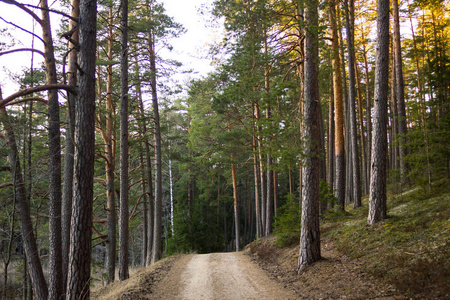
point(110, 165)
point(29, 241)
point(339, 148)
point(78, 281)
point(353, 136)
point(377, 196)
point(400, 92)
point(55, 287)
point(310, 235)
point(157, 226)
point(123, 209)
point(69, 144)
point(256, 176)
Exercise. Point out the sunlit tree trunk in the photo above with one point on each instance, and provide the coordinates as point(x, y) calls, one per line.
point(339, 147)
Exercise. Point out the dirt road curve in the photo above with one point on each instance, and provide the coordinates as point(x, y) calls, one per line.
point(219, 276)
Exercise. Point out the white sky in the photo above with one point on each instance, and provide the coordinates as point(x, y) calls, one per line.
point(191, 49)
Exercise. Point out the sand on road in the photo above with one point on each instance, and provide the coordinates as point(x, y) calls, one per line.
point(219, 276)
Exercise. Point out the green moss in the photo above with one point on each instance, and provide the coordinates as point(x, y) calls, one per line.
point(409, 249)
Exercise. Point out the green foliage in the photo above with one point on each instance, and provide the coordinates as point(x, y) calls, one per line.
point(287, 223)
point(326, 194)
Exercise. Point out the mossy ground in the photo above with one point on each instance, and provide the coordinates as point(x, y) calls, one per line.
point(409, 251)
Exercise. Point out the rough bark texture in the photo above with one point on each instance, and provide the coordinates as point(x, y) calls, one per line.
point(29, 241)
point(110, 166)
point(339, 148)
point(66, 209)
point(55, 287)
point(78, 281)
point(310, 235)
point(368, 117)
point(349, 20)
point(377, 195)
point(256, 176)
point(400, 92)
point(236, 206)
point(157, 226)
point(123, 210)
point(151, 216)
point(330, 147)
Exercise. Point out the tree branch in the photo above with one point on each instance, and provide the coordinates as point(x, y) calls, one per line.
point(21, 49)
point(38, 99)
point(22, 6)
point(23, 29)
point(36, 89)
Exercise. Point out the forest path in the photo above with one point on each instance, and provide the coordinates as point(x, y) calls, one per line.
point(219, 276)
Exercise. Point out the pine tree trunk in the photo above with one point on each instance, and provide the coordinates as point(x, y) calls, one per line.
point(330, 147)
point(79, 273)
point(310, 235)
point(67, 191)
point(54, 135)
point(110, 162)
point(29, 241)
point(363, 139)
point(123, 208)
point(256, 176)
point(157, 226)
point(400, 92)
point(353, 136)
point(368, 118)
point(339, 148)
point(377, 197)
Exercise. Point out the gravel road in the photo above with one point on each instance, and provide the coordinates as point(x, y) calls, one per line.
point(219, 276)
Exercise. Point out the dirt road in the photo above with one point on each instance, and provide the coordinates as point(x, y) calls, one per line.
point(219, 276)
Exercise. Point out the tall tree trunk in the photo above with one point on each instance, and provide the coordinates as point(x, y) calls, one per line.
point(6, 256)
point(55, 251)
point(29, 240)
point(144, 210)
point(353, 136)
point(256, 176)
point(400, 92)
point(368, 117)
point(142, 134)
point(110, 166)
point(339, 148)
point(157, 226)
point(377, 196)
point(363, 139)
point(236, 206)
point(123, 208)
point(261, 173)
point(78, 281)
point(310, 235)
point(69, 143)
point(330, 147)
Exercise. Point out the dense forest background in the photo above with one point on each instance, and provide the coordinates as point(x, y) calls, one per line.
point(215, 163)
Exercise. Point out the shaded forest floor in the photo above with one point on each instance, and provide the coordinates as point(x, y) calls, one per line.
point(405, 256)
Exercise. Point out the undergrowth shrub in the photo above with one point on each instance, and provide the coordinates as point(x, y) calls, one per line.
point(287, 223)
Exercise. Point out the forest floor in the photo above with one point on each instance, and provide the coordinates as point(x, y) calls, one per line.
point(406, 256)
